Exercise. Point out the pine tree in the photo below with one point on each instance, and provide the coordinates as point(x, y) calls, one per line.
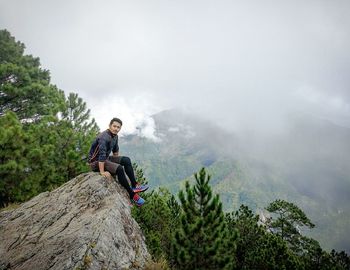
point(156, 218)
point(202, 240)
point(249, 232)
point(75, 133)
point(312, 255)
point(290, 219)
point(47, 150)
point(12, 157)
point(26, 164)
point(24, 86)
point(256, 248)
point(44, 159)
point(339, 260)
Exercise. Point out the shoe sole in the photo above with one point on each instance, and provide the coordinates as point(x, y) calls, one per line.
point(138, 205)
point(138, 191)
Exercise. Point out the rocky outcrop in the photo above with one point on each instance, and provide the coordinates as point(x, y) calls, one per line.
point(84, 224)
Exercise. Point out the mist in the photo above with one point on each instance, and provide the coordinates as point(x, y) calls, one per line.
point(264, 81)
point(247, 66)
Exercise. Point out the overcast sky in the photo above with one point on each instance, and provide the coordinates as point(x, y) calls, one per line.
point(244, 64)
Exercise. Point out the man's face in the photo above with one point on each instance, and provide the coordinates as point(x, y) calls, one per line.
point(115, 127)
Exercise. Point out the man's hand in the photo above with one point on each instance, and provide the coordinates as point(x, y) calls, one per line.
point(106, 174)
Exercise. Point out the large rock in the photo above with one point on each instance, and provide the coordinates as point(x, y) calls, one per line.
point(84, 224)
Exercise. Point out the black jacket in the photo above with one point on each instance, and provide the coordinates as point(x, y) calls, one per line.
point(102, 146)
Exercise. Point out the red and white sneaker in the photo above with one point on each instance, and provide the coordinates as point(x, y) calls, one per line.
point(138, 200)
point(140, 188)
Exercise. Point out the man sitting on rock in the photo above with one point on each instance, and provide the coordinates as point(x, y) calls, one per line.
point(101, 161)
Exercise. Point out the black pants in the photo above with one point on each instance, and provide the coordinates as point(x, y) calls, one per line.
point(119, 166)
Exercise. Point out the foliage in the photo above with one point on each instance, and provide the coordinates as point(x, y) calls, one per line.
point(256, 248)
point(44, 135)
point(290, 219)
point(75, 133)
point(12, 157)
point(339, 260)
point(287, 224)
point(202, 240)
point(24, 86)
point(161, 264)
point(157, 218)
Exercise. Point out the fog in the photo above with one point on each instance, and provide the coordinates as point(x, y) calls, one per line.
point(273, 74)
point(245, 65)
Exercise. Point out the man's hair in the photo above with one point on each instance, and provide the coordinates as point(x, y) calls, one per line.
point(116, 120)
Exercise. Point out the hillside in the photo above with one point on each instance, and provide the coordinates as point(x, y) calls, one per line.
point(306, 165)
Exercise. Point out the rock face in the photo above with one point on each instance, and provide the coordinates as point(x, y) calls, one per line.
point(84, 224)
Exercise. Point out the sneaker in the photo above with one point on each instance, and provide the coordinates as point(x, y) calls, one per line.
point(138, 200)
point(140, 188)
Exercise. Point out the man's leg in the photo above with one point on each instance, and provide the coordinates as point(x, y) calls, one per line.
point(117, 169)
point(129, 170)
point(124, 182)
point(126, 162)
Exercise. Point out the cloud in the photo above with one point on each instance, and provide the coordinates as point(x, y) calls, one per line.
point(326, 105)
point(240, 64)
point(135, 112)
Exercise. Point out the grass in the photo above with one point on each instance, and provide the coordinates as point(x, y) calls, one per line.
point(11, 206)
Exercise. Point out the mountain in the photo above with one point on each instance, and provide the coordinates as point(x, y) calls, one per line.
point(84, 224)
point(306, 164)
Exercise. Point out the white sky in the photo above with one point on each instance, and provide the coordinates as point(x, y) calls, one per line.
point(243, 64)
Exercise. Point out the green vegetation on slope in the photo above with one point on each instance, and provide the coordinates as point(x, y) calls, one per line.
point(43, 134)
point(253, 180)
point(194, 233)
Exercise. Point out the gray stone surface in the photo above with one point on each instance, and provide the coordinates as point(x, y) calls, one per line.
point(84, 224)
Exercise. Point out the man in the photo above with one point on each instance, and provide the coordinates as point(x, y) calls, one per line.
point(101, 161)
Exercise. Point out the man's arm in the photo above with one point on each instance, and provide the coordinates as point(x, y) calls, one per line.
point(101, 167)
point(102, 154)
point(115, 149)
